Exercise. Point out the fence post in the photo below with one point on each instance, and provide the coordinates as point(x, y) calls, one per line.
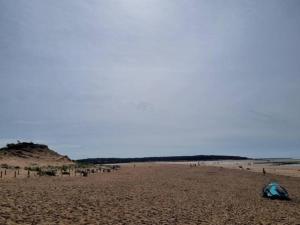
point(15, 174)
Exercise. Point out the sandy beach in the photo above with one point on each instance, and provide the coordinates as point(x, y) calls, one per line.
point(149, 194)
point(275, 166)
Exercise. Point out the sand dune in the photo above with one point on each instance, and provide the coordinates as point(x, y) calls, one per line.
point(24, 154)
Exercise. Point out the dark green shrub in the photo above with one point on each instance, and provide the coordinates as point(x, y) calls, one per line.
point(47, 173)
point(65, 168)
point(4, 166)
point(65, 173)
point(33, 168)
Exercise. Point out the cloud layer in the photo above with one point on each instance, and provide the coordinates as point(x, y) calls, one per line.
point(149, 78)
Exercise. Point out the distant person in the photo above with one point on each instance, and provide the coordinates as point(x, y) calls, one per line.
point(264, 171)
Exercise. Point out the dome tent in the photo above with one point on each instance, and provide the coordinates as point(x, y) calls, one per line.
point(274, 191)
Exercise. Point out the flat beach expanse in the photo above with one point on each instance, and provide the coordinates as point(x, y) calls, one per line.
point(287, 167)
point(149, 194)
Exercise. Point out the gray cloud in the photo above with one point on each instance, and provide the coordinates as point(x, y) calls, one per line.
point(138, 78)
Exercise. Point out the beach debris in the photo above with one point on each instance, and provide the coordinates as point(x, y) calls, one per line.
point(274, 191)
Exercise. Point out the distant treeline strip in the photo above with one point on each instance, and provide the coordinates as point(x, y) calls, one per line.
point(160, 159)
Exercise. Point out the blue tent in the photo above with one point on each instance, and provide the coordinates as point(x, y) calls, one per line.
point(274, 191)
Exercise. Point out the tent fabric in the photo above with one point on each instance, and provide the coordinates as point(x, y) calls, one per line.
point(274, 191)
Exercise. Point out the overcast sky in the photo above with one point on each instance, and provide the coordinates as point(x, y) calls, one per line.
point(127, 78)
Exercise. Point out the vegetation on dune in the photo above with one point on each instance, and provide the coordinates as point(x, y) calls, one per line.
point(32, 168)
point(47, 172)
point(25, 145)
point(5, 166)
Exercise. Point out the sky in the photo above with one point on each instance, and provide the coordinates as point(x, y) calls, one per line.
point(135, 78)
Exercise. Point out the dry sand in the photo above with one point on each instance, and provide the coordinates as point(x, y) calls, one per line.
point(149, 194)
point(16, 161)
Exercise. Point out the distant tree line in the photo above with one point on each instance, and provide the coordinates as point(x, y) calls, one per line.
point(160, 159)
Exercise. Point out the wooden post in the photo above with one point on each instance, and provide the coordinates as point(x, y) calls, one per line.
point(1, 174)
point(18, 172)
point(15, 174)
point(28, 173)
point(4, 172)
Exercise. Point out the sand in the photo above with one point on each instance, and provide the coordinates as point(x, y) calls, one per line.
point(257, 166)
point(15, 161)
point(149, 194)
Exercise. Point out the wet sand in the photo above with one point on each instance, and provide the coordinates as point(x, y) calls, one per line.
point(257, 166)
point(149, 194)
